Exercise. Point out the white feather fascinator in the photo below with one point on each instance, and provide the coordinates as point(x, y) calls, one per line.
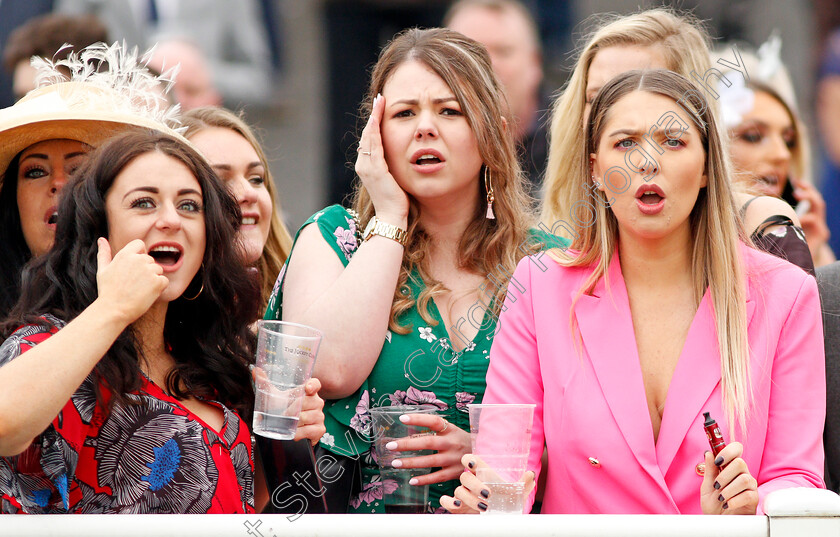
point(90, 96)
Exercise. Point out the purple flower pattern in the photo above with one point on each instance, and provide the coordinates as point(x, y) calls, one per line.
point(361, 421)
point(375, 490)
point(462, 399)
point(346, 238)
point(413, 396)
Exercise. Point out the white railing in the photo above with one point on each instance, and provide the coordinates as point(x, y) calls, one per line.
point(793, 512)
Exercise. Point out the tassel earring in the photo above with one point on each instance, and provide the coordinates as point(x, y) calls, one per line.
point(488, 185)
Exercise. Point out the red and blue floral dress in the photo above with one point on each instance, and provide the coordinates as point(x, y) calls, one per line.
point(151, 457)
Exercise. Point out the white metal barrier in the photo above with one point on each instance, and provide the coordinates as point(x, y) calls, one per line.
point(793, 512)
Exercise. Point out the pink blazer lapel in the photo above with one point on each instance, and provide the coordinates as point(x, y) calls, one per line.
point(606, 329)
point(694, 381)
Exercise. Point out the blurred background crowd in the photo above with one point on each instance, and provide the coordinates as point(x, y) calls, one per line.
point(298, 68)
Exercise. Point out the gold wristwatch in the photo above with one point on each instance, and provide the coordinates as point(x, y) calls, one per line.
point(378, 227)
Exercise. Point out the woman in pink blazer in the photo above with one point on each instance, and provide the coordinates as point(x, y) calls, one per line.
point(659, 312)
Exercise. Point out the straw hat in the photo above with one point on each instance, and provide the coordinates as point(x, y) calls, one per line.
point(90, 108)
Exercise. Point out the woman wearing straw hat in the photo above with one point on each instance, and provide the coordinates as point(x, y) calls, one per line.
point(47, 133)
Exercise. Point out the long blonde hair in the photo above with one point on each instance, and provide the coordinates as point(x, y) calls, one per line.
point(279, 241)
point(487, 246)
point(684, 45)
point(715, 233)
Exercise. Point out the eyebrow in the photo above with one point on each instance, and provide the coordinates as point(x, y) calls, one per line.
point(228, 167)
point(634, 132)
point(44, 156)
point(439, 100)
point(155, 190)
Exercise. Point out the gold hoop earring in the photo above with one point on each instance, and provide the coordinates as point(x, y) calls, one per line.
point(488, 185)
point(199, 291)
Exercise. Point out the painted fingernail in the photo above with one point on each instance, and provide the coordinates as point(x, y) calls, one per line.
point(726, 505)
point(457, 503)
point(717, 485)
point(391, 445)
point(482, 506)
point(485, 493)
point(719, 460)
point(413, 481)
point(396, 463)
point(471, 464)
point(404, 418)
point(721, 498)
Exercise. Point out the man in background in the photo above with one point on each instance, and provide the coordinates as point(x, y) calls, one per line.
point(508, 31)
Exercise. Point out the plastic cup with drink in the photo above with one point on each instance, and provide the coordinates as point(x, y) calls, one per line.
point(285, 358)
point(500, 435)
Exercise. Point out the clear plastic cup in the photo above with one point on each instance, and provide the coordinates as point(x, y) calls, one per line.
point(285, 356)
point(399, 496)
point(501, 436)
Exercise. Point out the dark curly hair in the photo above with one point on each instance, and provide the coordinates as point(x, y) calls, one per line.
point(209, 337)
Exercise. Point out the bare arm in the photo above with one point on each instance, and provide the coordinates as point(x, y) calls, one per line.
point(350, 305)
point(762, 208)
point(35, 386)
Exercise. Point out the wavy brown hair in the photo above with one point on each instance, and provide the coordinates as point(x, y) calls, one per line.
point(279, 242)
point(487, 246)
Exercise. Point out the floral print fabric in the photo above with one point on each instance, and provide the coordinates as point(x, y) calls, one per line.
point(420, 367)
point(153, 456)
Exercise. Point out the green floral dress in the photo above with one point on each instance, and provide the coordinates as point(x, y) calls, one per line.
point(418, 367)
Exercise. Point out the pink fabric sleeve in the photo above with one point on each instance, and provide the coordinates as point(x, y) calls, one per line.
point(514, 373)
point(793, 450)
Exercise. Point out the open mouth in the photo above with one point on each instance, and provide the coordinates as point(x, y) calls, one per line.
point(249, 220)
point(165, 256)
point(53, 218)
point(427, 159)
point(650, 198)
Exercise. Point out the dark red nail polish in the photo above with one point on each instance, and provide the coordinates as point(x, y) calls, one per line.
point(721, 498)
point(726, 505)
point(719, 460)
point(471, 464)
point(485, 493)
point(482, 506)
point(457, 503)
point(717, 485)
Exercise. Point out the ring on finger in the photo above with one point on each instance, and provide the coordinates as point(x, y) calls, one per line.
point(365, 153)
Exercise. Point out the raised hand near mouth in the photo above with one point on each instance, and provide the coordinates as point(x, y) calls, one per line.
point(129, 281)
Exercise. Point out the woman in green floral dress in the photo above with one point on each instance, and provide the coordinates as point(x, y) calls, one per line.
point(409, 307)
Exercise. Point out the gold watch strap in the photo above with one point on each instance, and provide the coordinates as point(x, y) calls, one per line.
point(389, 231)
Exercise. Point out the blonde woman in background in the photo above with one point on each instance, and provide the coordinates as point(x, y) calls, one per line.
point(770, 150)
point(654, 39)
point(238, 158)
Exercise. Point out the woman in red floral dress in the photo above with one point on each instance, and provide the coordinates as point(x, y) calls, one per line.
point(125, 381)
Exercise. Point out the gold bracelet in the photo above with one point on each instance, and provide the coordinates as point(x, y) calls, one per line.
point(378, 227)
